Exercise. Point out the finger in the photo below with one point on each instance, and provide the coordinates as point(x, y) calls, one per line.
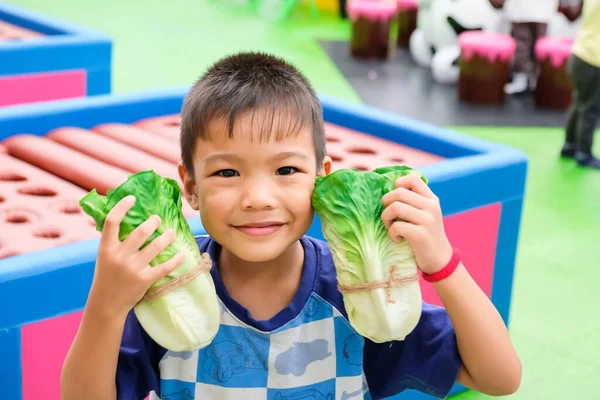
point(400, 230)
point(156, 246)
point(414, 182)
point(161, 270)
point(112, 223)
point(403, 211)
point(407, 196)
point(138, 237)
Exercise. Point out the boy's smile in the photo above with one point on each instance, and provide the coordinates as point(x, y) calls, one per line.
point(253, 190)
point(264, 228)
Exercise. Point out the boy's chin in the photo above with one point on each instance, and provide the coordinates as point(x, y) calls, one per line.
point(261, 253)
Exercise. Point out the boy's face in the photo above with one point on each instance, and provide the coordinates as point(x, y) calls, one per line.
point(253, 194)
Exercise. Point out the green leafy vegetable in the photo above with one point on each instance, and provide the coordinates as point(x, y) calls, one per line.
point(377, 276)
point(188, 317)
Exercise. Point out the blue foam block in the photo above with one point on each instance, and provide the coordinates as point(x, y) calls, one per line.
point(66, 46)
point(10, 363)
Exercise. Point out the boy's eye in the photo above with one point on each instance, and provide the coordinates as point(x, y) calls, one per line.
point(286, 170)
point(226, 173)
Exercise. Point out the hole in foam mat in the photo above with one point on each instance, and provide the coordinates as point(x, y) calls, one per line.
point(1, 199)
point(361, 168)
point(397, 159)
point(47, 233)
point(173, 123)
point(361, 150)
point(70, 207)
point(37, 191)
point(335, 158)
point(17, 218)
point(11, 177)
point(332, 139)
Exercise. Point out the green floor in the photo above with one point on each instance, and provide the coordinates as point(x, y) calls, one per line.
point(163, 44)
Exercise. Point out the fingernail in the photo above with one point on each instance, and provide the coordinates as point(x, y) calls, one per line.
point(130, 198)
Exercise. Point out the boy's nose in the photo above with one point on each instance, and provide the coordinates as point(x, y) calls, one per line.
point(258, 197)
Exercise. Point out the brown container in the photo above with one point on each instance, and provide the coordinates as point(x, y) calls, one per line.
point(372, 23)
point(481, 81)
point(484, 66)
point(554, 89)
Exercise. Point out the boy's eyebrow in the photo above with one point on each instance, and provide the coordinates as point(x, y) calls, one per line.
point(233, 157)
point(288, 154)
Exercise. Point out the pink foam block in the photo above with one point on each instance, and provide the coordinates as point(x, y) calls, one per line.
point(475, 233)
point(45, 86)
point(65, 162)
point(556, 48)
point(14, 32)
point(112, 151)
point(167, 126)
point(489, 45)
point(117, 154)
point(373, 10)
point(352, 149)
point(38, 210)
point(44, 348)
point(139, 138)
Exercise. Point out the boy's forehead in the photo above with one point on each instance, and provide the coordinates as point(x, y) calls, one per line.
point(257, 129)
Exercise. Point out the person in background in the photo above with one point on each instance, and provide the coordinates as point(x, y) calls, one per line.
point(343, 13)
point(529, 20)
point(585, 76)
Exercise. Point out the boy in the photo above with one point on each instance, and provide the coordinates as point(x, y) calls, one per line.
point(585, 75)
point(253, 141)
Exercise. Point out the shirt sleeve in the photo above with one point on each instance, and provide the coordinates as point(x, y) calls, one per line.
point(137, 368)
point(427, 360)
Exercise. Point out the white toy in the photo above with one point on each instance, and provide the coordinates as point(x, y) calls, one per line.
point(434, 43)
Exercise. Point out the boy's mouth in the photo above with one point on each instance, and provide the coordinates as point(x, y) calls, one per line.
point(260, 228)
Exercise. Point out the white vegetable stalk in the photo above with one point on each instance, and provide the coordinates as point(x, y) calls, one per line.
point(185, 318)
point(387, 305)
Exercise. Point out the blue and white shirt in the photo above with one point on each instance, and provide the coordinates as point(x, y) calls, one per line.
point(308, 351)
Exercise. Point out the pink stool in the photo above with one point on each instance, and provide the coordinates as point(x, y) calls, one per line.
point(371, 22)
point(484, 66)
point(554, 88)
point(407, 20)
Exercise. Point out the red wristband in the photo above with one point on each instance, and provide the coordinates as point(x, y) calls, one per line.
point(447, 270)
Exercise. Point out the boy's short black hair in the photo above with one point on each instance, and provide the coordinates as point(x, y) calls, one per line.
point(251, 81)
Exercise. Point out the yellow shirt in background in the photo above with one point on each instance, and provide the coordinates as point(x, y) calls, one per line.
point(587, 42)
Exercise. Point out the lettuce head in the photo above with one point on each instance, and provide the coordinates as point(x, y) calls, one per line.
point(349, 204)
point(188, 317)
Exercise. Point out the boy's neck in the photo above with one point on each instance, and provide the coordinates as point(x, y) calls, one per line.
point(263, 288)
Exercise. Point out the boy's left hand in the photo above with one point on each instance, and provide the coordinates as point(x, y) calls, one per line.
point(421, 223)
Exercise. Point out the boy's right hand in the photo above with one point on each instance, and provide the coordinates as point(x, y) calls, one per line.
point(123, 273)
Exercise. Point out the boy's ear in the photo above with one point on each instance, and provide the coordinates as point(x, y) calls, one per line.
point(189, 186)
point(326, 168)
